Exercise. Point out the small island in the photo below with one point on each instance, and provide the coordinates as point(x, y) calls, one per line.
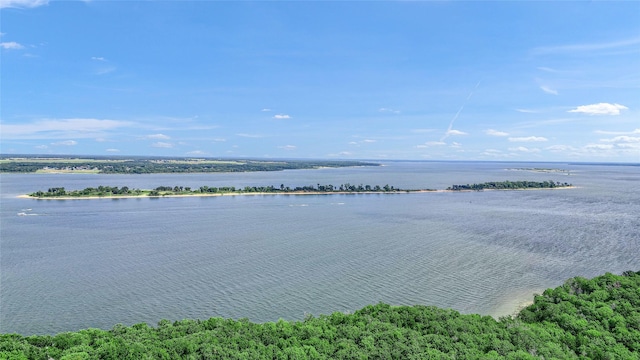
point(510, 185)
point(172, 191)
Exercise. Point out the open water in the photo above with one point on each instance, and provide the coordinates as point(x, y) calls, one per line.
point(69, 265)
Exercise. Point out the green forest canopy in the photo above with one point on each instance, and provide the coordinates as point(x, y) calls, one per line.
point(582, 319)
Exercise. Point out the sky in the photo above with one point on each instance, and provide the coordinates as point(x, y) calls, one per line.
point(376, 80)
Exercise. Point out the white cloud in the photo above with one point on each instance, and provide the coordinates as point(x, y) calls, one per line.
point(196, 152)
point(288, 147)
point(455, 132)
point(160, 144)
point(22, 3)
point(387, 110)
point(368, 140)
point(600, 109)
point(456, 145)
point(525, 149)
point(11, 45)
point(265, 110)
point(493, 132)
point(60, 128)
point(435, 143)
point(112, 150)
point(560, 148)
point(633, 132)
point(98, 58)
point(549, 90)
point(158, 137)
point(599, 147)
point(281, 116)
point(491, 152)
point(528, 139)
point(624, 139)
point(65, 143)
point(219, 140)
point(42, 147)
point(255, 136)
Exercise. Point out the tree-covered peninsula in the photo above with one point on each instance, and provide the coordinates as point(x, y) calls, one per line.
point(125, 191)
point(148, 165)
point(582, 319)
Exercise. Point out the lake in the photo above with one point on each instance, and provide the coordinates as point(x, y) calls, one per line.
point(74, 264)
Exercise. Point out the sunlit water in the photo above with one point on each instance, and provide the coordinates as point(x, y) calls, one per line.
point(75, 264)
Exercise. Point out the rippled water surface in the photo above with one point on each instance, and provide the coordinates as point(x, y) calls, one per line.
point(75, 264)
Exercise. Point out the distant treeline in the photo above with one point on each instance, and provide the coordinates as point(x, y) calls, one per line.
point(582, 319)
point(186, 190)
point(151, 166)
point(509, 185)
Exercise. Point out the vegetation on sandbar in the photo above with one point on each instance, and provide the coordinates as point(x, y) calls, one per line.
point(114, 191)
point(510, 185)
point(582, 319)
point(125, 191)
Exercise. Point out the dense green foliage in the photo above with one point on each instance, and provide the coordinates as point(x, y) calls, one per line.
point(510, 185)
point(111, 191)
point(583, 319)
point(140, 165)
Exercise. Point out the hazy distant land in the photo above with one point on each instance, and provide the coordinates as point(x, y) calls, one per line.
point(154, 165)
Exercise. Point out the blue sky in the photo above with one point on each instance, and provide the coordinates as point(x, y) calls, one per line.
point(539, 81)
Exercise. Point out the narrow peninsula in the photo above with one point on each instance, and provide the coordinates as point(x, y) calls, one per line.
point(172, 191)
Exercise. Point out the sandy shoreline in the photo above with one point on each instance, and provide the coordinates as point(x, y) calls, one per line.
point(293, 193)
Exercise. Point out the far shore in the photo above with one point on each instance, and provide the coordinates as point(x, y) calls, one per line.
point(293, 193)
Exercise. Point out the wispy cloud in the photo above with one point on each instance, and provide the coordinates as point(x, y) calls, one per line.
point(527, 111)
point(549, 90)
point(451, 132)
point(580, 48)
point(493, 132)
point(288, 147)
point(623, 139)
point(560, 148)
point(196, 152)
point(65, 143)
point(281, 116)
point(158, 137)
point(11, 45)
point(633, 132)
point(388, 110)
point(22, 3)
point(600, 109)
point(98, 58)
point(255, 136)
point(60, 128)
point(528, 139)
point(112, 150)
point(161, 144)
point(525, 149)
point(265, 110)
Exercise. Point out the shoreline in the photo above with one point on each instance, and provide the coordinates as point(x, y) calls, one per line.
point(293, 193)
